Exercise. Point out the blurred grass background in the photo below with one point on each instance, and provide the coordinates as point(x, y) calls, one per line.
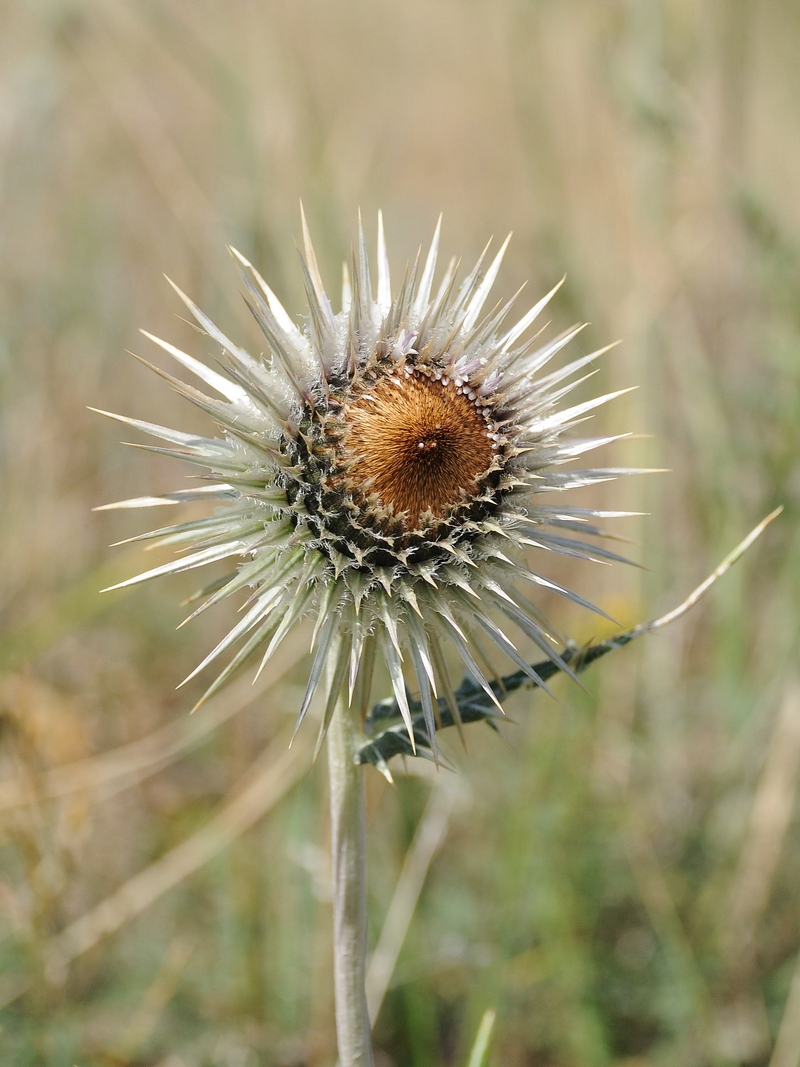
point(621, 882)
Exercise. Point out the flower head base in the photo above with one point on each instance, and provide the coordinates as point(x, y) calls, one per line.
point(382, 471)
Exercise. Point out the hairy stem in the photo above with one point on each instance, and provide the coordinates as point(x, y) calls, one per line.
point(348, 850)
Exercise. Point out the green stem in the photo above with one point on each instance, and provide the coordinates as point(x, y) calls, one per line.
point(348, 853)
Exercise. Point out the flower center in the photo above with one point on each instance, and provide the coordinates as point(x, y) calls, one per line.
point(417, 443)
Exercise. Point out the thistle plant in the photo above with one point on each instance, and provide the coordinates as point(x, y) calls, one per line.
point(388, 470)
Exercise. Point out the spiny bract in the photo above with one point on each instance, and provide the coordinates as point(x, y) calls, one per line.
point(383, 471)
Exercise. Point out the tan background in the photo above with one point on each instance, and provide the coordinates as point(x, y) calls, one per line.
point(620, 884)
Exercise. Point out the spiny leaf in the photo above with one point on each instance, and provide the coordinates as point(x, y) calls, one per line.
point(387, 733)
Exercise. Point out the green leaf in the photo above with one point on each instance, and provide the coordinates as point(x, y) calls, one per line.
point(387, 734)
point(477, 1058)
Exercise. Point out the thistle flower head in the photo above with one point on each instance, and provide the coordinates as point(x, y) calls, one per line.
point(383, 470)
